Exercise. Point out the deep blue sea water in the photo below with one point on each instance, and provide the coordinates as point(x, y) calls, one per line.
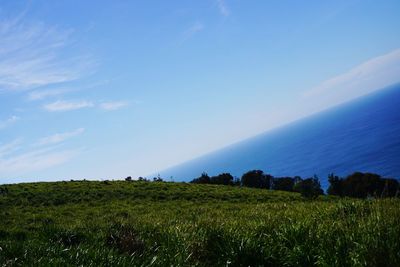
point(361, 135)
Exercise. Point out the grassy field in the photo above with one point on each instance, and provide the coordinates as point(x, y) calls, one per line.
point(176, 224)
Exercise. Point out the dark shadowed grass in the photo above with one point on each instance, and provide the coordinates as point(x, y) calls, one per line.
point(164, 224)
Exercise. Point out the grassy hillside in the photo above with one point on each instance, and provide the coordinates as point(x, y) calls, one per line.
point(164, 224)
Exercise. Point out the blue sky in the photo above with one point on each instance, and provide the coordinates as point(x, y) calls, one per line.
point(107, 89)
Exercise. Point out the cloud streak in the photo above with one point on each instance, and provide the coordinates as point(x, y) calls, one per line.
point(35, 160)
point(192, 30)
point(113, 105)
point(31, 55)
point(59, 137)
point(10, 147)
point(42, 94)
point(18, 158)
point(9, 121)
point(223, 8)
point(376, 73)
point(62, 105)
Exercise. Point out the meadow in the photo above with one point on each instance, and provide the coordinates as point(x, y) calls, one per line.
point(120, 223)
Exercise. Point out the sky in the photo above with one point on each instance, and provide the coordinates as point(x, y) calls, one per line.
point(108, 89)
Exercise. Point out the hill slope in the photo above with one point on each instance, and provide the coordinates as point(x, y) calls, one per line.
point(170, 224)
point(78, 192)
point(362, 135)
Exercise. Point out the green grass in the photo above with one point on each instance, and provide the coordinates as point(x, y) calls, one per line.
point(176, 224)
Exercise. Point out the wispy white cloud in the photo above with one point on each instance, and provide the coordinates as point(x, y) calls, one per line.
point(17, 157)
point(223, 8)
point(371, 75)
point(113, 105)
point(58, 137)
point(9, 121)
point(61, 105)
point(42, 94)
point(31, 55)
point(8, 148)
point(192, 30)
point(35, 160)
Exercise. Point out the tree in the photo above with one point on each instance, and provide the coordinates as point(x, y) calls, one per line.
point(236, 181)
point(128, 179)
point(223, 178)
point(256, 179)
point(362, 185)
point(390, 187)
point(309, 188)
point(3, 191)
point(283, 183)
point(336, 185)
point(203, 179)
point(158, 179)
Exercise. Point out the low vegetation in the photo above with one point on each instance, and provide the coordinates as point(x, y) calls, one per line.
point(358, 184)
point(141, 223)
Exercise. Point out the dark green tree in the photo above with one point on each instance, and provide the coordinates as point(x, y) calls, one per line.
point(203, 179)
point(309, 188)
point(256, 179)
point(283, 184)
point(362, 185)
point(223, 178)
point(236, 181)
point(335, 185)
point(390, 187)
